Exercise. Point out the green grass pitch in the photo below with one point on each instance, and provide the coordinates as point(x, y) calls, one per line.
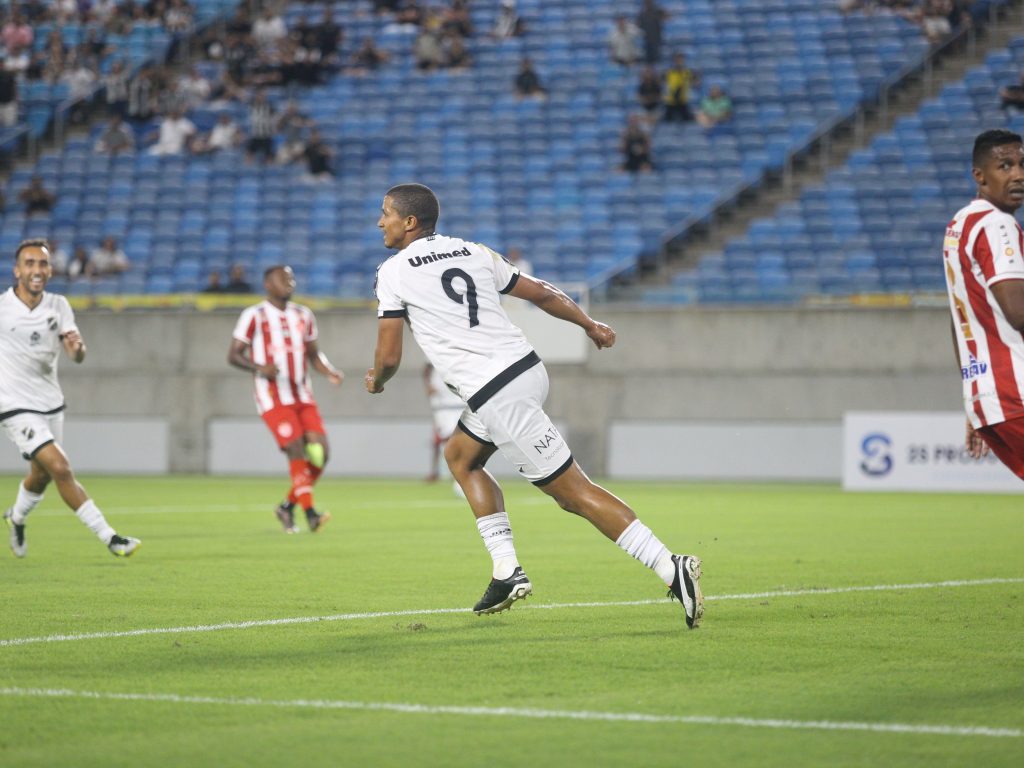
point(924, 675)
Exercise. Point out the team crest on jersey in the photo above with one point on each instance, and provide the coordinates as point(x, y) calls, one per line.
point(51, 323)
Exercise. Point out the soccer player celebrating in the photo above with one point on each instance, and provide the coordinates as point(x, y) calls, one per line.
point(984, 255)
point(276, 340)
point(448, 290)
point(34, 325)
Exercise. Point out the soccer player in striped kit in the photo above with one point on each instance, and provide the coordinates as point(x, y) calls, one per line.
point(984, 259)
point(277, 341)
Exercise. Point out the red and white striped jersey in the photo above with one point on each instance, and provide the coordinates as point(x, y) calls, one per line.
point(279, 337)
point(983, 246)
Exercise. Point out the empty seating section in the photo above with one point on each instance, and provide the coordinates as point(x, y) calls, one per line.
point(876, 224)
point(539, 175)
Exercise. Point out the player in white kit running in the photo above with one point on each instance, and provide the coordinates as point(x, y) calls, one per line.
point(449, 290)
point(34, 326)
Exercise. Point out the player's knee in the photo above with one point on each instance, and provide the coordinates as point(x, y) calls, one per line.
point(61, 472)
point(296, 449)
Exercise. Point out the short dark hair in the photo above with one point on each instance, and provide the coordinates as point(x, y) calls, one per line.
point(989, 140)
point(416, 200)
point(32, 242)
point(270, 270)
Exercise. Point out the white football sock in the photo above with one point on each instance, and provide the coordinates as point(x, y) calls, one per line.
point(496, 532)
point(24, 503)
point(93, 519)
point(638, 541)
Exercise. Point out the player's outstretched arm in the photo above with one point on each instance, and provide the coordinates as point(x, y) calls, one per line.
point(74, 345)
point(238, 356)
point(320, 362)
point(388, 355)
point(556, 303)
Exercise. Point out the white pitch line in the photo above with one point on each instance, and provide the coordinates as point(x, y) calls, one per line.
point(63, 638)
point(222, 508)
point(537, 714)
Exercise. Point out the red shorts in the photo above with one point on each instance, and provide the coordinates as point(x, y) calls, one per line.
point(289, 422)
point(1007, 442)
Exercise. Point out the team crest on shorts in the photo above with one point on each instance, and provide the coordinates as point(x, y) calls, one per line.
point(284, 430)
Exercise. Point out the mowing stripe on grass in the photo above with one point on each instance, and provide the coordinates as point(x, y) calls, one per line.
point(435, 611)
point(538, 714)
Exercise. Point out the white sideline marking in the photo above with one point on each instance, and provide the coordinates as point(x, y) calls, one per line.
point(540, 714)
point(173, 509)
point(436, 611)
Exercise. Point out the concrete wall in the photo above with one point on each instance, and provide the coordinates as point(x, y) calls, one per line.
point(685, 365)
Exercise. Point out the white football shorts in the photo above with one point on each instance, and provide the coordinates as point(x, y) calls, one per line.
point(32, 431)
point(513, 419)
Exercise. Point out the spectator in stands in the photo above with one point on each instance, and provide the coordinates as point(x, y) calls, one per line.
point(368, 57)
point(428, 51)
point(528, 81)
point(36, 197)
point(649, 93)
point(262, 120)
point(410, 14)
point(508, 22)
point(16, 33)
point(225, 134)
point(456, 19)
point(624, 42)
point(651, 22)
point(679, 79)
point(58, 258)
point(194, 89)
point(104, 11)
point(1013, 95)
point(318, 158)
point(142, 95)
point(81, 81)
point(329, 36)
point(81, 265)
point(516, 258)
point(108, 258)
point(236, 281)
point(636, 147)
point(269, 29)
point(177, 17)
point(115, 138)
point(8, 97)
point(115, 84)
point(213, 283)
point(176, 134)
point(457, 56)
point(935, 15)
point(291, 125)
point(715, 108)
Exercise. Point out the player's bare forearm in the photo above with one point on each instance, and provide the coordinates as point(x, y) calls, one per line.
point(239, 358)
point(557, 303)
point(388, 355)
point(323, 365)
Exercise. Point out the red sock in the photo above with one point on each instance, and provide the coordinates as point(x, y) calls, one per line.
point(302, 483)
point(314, 473)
